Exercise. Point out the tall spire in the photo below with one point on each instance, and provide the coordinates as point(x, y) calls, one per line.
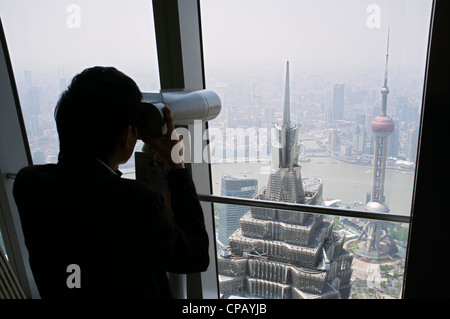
point(285, 154)
point(382, 127)
point(287, 102)
point(385, 90)
point(387, 58)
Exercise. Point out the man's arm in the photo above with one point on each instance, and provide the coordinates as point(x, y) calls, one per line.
point(163, 148)
point(184, 234)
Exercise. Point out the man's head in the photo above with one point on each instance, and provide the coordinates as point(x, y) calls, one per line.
point(93, 114)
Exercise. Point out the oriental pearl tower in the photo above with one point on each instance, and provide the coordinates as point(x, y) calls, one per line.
point(382, 127)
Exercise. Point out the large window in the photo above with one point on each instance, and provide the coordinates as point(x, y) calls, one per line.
point(313, 113)
point(51, 41)
point(321, 104)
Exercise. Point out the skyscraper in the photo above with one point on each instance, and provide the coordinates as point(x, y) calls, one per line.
point(411, 143)
point(359, 139)
point(286, 254)
point(229, 215)
point(338, 101)
point(382, 127)
point(284, 141)
point(393, 142)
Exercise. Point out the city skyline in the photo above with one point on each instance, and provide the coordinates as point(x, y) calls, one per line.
point(312, 113)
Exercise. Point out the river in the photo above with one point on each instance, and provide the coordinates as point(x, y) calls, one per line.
point(341, 180)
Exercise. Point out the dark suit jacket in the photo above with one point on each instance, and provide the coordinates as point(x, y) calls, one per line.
point(120, 233)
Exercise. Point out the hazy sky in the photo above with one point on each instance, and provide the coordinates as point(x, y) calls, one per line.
point(332, 35)
point(315, 34)
point(53, 35)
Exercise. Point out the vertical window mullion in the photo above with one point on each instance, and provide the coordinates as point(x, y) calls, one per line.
point(180, 59)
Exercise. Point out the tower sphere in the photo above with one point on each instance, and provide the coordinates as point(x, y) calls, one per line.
point(377, 207)
point(383, 124)
point(384, 90)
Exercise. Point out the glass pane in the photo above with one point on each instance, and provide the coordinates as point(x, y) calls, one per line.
point(295, 255)
point(321, 104)
point(52, 41)
point(331, 87)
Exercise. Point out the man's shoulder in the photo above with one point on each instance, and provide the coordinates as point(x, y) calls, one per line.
point(90, 179)
point(33, 179)
point(37, 168)
point(33, 171)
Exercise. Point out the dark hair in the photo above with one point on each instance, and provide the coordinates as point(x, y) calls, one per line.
point(94, 110)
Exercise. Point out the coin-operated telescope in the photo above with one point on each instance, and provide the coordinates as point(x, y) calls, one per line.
point(186, 107)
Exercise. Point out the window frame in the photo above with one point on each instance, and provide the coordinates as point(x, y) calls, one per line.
point(427, 233)
point(13, 155)
point(181, 65)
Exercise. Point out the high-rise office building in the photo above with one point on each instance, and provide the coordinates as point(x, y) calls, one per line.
point(359, 139)
point(382, 128)
point(338, 101)
point(411, 143)
point(229, 215)
point(286, 254)
point(393, 141)
point(334, 140)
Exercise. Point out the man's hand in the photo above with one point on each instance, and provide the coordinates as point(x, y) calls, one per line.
point(168, 148)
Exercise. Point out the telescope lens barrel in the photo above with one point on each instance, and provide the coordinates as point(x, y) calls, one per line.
point(186, 107)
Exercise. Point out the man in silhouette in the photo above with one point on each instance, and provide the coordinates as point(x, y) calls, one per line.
point(80, 216)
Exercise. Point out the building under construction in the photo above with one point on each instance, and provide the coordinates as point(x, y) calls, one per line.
point(286, 254)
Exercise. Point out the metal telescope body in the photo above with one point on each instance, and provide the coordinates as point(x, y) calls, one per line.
point(186, 107)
